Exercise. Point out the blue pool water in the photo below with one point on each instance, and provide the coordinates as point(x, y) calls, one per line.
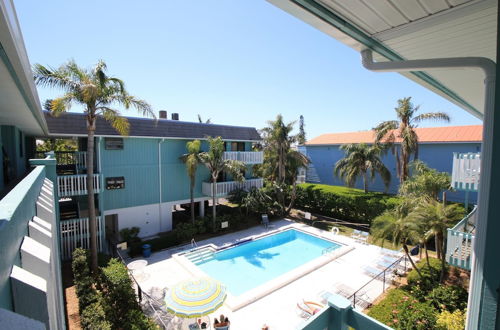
point(251, 264)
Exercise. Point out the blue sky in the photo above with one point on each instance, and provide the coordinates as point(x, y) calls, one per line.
point(236, 62)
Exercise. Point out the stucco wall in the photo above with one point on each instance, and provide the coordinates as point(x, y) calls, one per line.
point(436, 155)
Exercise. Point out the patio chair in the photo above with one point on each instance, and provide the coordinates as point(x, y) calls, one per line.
point(363, 237)
point(226, 327)
point(355, 234)
point(265, 221)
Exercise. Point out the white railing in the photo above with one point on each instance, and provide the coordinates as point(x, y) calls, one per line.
point(247, 157)
point(224, 188)
point(466, 171)
point(460, 241)
point(73, 185)
point(75, 233)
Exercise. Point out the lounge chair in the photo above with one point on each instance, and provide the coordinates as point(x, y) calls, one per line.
point(226, 327)
point(265, 221)
point(355, 234)
point(363, 237)
point(309, 308)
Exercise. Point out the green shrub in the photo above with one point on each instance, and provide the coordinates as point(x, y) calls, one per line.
point(136, 320)
point(186, 231)
point(451, 321)
point(448, 298)
point(421, 286)
point(343, 203)
point(94, 317)
point(83, 279)
point(118, 294)
point(401, 310)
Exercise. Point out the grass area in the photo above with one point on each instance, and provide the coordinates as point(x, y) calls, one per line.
point(345, 191)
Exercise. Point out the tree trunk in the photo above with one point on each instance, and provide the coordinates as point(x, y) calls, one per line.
point(214, 192)
point(90, 190)
point(405, 248)
point(191, 193)
point(443, 261)
point(427, 256)
point(292, 197)
point(365, 182)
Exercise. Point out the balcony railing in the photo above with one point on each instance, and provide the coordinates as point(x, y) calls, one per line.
point(224, 188)
point(461, 240)
point(75, 233)
point(247, 157)
point(74, 185)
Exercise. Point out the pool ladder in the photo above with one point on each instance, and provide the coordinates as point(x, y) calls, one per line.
point(328, 250)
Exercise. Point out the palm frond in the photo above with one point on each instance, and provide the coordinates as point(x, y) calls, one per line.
point(438, 116)
point(120, 124)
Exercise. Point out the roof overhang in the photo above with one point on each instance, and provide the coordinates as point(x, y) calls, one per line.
point(19, 102)
point(413, 30)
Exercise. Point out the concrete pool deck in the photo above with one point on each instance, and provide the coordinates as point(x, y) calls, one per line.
point(278, 309)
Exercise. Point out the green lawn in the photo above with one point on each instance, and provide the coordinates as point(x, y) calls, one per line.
point(345, 191)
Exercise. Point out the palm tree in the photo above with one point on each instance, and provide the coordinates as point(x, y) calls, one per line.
point(214, 160)
point(425, 182)
point(192, 159)
point(394, 225)
point(281, 162)
point(404, 129)
point(436, 217)
point(361, 160)
point(97, 93)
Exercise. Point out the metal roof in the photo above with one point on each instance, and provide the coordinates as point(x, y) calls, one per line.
point(413, 30)
point(75, 124)
point(449, 134)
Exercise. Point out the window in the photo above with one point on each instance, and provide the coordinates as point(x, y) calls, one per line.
point(113, 143)
point(115, 183)
point(237, 146)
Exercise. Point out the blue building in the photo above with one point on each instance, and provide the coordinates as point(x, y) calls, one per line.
point(436, 148)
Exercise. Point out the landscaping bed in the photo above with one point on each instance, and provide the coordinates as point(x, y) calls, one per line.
point(424, 303)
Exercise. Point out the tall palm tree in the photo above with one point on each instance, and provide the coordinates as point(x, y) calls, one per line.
point(282, 162)
point(361, 160)
point(403, 129)
point(394, 225)
point(214, 160)
point(192, 160)
point(436, 217)
point(97, 93)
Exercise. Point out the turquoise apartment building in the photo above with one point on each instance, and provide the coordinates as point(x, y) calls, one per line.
point(140, 179)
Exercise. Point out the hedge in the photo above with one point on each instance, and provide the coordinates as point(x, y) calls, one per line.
point(343, 203)
point(83, 279)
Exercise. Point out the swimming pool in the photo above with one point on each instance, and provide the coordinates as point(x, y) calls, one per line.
point(248, 265)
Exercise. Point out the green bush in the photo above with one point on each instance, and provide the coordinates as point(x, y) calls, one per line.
point(136, 320)
point(118, 294)
point(94, 317)
point(83, 279)
point(421, 286)
point(186, 231)
point(448, 298)
point(451, 321)
point(401, 310)
point(343, 203)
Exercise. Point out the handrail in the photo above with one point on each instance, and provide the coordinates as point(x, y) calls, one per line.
point(398, 261)
point(463, 223)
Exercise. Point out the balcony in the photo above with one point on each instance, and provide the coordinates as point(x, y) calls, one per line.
point(75, 233)
point(461, 240)
point(68, 162)
point(224, 188)
point(247, 157)
point(74, 185)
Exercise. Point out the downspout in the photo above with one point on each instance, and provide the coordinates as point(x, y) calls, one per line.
point(159, 182)
point(489, 69)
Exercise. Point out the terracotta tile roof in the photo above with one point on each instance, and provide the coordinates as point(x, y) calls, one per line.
point(472, 133)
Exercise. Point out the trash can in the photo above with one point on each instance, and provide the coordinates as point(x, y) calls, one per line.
point(146, 250)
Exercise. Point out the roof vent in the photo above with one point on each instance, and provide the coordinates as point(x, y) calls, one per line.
point(175, 116)
point(163, 114)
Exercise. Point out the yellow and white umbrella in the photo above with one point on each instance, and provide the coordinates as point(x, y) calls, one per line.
point(195, 298)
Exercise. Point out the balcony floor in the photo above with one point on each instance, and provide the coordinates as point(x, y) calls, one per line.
point(277, 309)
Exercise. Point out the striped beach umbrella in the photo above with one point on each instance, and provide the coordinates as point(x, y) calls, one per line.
point(195, 298)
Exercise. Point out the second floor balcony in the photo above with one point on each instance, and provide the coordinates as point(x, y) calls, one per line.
point(247, 157)
point(460, 241)
point(224, 188)
point(74, 185)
